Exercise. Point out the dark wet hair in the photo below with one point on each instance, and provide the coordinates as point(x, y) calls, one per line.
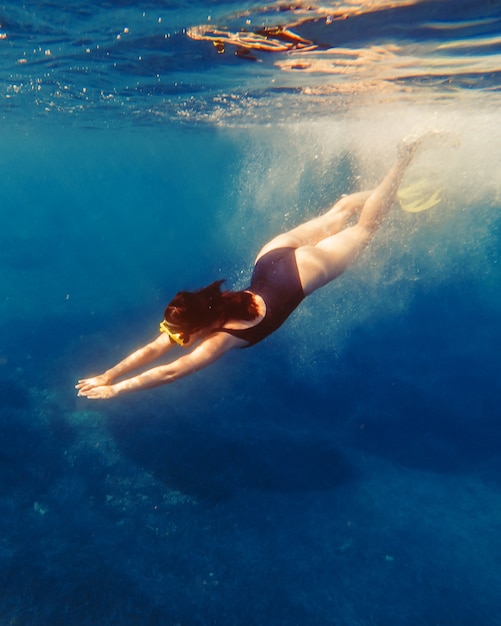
point(190, 311)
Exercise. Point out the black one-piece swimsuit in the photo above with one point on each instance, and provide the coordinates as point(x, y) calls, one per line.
point(276, 279)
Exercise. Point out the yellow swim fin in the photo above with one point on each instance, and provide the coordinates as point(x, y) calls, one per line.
point(416, 197)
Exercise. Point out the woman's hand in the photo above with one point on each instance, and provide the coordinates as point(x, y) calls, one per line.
point(102, 392)
point(85, 384)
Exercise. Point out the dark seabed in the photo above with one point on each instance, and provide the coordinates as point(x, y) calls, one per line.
point(344, 472)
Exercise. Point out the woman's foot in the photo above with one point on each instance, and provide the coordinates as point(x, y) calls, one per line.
point(408, 146)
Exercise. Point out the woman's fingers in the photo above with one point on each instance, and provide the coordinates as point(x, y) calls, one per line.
point(98, 393)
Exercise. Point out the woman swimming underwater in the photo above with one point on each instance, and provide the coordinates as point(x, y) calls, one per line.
point(287, 269)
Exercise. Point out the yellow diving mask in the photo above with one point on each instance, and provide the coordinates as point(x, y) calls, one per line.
point(175, 337)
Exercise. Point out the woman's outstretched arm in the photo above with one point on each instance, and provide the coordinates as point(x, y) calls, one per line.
point(137, 359)
point(204, 354)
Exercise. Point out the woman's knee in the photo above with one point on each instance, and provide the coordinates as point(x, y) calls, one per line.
point(365, 230)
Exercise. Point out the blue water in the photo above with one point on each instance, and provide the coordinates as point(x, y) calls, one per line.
point(344, 472)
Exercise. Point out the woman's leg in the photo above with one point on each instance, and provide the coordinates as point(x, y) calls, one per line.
point(320, 263)
point(332, 222)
